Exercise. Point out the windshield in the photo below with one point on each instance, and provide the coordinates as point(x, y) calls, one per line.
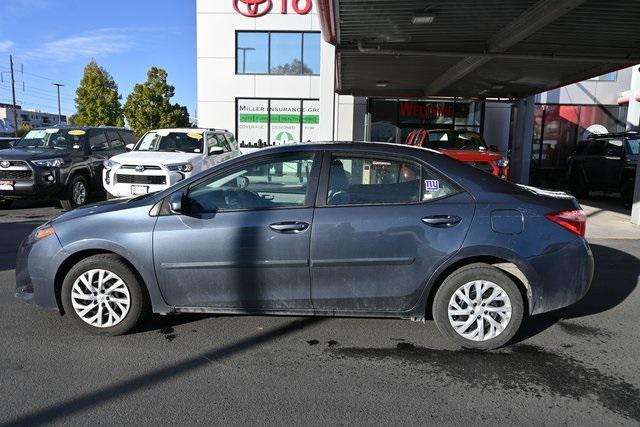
point(172, 142)
point(72, 139)
point(633, 145)
point(455, 140)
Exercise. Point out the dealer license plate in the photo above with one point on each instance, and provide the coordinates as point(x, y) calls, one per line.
point(139, 189)
point(6, 185)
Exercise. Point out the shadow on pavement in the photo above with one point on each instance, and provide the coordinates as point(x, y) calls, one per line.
point(615, 278)
point(140, 382)
point(12, 235)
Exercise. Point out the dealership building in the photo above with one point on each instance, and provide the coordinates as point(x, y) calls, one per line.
point(266, 73)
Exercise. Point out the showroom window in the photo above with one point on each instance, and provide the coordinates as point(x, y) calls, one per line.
point(393, 119)
point(263, 122)
point(278, 52)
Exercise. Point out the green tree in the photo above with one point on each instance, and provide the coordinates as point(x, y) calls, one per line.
point(294, 67)
point(149, 107)
point(97, 99)
point(23, 129)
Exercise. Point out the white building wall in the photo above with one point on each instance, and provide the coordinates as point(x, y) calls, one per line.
point(218, 84)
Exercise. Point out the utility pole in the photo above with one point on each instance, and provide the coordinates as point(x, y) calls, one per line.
point(13, 94)
point(57, 85)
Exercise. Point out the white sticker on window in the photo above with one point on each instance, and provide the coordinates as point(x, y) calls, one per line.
point(431, 185)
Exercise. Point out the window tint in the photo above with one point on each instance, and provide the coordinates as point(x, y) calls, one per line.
point(355, 180)
point(614, 148)
point(98, 141)
point(114, 140)
point(267, 184)
point(217, 140)
point(277, 52)
point(128, 137)
point(435, 186)
point(596, 147)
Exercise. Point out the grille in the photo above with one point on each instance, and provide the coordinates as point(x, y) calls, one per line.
point(141, 179)
point(15, 175)
point(18, 163)
point(483, 166)
point(146, 167)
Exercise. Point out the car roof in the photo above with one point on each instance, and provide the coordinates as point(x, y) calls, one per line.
point(363, 146)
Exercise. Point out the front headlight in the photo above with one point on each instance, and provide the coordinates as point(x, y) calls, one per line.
point(502, 163)
point(109, 164)
point(49, 163)
point(183, 167)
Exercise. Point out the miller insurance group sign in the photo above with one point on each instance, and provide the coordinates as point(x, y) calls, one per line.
point(258, 8)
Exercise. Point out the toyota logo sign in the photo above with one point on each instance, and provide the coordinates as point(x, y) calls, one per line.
point(258, 8)
point(5, 163)
point(253, 8)
point(139, 168)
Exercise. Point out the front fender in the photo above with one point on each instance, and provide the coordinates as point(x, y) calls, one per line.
point(142, 265)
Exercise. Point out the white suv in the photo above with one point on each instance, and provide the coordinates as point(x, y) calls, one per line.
point(163, 157)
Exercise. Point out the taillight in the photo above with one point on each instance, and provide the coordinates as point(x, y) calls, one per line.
point(575, 221)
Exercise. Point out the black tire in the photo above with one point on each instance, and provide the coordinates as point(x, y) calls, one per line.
point(626, 191)
point(579, 187)
point(139, 306)
point(5, 204)
point(70, 200)
point(470, 273)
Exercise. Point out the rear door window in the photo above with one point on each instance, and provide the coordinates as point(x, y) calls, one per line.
point(115, 142)
point(98, 140)
point(368, 180)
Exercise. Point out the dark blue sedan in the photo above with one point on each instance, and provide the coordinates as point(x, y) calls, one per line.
point(337, 229)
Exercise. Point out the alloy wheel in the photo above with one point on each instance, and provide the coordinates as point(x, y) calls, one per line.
point(100, 298)
point(479, 310)
point(79, 193)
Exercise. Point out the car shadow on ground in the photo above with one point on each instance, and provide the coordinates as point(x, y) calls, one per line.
point(615, 278)
point(12, 235)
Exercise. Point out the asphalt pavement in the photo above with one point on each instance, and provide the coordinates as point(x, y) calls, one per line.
point(576, 366)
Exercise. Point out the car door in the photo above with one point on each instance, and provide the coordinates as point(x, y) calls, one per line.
point(593, 164)
point(381, 227)
point(243, 239)
point(99, 151)
point(613, 163)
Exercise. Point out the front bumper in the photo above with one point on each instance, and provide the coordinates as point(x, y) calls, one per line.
point(30, 181)
point(154, 180)
point(36, 266)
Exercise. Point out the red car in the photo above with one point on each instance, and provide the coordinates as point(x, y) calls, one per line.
point(463, 145)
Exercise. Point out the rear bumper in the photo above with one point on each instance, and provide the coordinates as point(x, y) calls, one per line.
point(563, 277)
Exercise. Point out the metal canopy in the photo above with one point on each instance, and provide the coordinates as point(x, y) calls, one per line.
point(477, 48)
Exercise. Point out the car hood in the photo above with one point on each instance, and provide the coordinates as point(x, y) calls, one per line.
point(472, 155)
point(32, 153)
point(154, 158)
point(104, 207)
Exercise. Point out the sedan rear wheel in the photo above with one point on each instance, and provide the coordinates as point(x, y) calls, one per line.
point(103, 295)
point(479, 306)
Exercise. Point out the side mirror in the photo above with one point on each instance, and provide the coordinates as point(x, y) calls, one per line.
point(175, 202)
point(129, 147)
point(216, 150)
point(493, 148)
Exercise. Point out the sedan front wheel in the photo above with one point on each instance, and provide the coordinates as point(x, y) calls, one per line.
point(103, 295)
point(478, 306)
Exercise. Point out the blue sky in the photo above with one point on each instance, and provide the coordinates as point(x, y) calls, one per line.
point(54, 39)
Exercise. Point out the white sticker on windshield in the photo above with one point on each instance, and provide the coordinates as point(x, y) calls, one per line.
point(51, 130)
point(431, 185)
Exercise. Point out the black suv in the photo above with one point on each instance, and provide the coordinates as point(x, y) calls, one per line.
point(605, 163)
point(64, 162)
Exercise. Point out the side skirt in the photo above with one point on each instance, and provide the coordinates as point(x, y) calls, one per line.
point(301, 312)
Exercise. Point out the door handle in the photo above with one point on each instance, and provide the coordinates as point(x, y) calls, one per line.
point(289, 227)
point(441, 221)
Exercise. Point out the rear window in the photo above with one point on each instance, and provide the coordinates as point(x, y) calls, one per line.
point(633, 145)
point(455, 140)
